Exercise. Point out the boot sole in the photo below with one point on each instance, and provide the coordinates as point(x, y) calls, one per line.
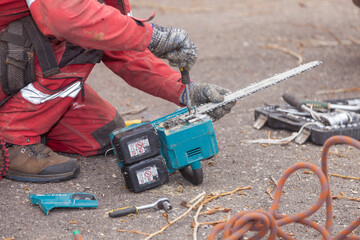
point(36, 178)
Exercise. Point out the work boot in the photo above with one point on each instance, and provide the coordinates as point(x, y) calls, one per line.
point(356, 2)
point(38, 163)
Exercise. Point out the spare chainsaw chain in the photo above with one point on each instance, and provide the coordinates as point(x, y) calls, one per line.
point(254, 87)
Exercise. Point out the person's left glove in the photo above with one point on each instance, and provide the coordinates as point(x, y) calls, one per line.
point(174, 45)
point(201, 93)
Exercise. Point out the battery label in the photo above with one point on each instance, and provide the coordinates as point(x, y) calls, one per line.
point(147, 175)
point(138, 146)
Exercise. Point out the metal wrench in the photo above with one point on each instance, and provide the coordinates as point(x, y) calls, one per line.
point(160, 204)
point(329, 119)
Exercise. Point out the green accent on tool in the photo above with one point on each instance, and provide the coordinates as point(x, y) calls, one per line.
point(317, 104)
point(331, 106)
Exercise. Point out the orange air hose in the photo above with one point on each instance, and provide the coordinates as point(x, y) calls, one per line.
point(270, 222)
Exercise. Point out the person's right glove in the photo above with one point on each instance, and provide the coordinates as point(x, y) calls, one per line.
point(201, 93)
point(174, 45)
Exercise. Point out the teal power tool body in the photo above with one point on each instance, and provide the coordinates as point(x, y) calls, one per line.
point(148, 152)
point(63, 200)
point(141, 149)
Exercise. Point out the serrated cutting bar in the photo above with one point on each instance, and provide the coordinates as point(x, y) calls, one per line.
point(255, 87)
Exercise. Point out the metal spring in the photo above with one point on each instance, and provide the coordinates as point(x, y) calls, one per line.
point(264, 221)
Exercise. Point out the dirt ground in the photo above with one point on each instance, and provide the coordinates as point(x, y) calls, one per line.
point(239, 44)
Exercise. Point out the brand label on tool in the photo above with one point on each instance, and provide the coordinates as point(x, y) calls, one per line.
point(138, 146)
point(147, 175)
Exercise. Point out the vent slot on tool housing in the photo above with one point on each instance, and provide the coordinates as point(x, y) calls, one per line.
point(193, 152)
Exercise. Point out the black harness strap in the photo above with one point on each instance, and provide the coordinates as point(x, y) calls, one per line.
point(15, 39)
point(19, 43)
point(42, 46)
point(15, 59)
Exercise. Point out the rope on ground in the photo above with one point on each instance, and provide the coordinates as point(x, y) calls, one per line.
point(270, 222)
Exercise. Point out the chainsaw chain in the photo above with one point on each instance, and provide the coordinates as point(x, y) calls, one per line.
point(255, 87)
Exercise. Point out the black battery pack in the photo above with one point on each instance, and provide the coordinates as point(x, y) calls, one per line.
point(136, 144)
point(145, 174)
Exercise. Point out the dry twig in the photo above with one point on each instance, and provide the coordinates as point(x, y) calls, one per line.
point(340, 90)
point(321, 28)
point(345, 177)
point(285, 50)
point(211, 198)
point(134, 231)
point(355, 40)
point(352, 199)
point(269, 191)
point(198, 200)
point(196, 223)
point(336, 175)
point(213, 223)
point(166, 215)
point(274, 180)
point(215, 209)
point(208, 199)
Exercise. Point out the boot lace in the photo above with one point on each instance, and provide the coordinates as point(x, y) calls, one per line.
point(38, 150)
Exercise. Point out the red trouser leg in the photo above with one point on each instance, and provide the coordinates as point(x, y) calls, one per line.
point(86, 125)
point(54, 106)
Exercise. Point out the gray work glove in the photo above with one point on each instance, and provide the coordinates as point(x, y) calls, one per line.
point(174, 45)
point(201, 93)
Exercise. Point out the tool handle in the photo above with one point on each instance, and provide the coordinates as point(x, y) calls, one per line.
point(185, 76)
point(292, 100)
point(317, 104)
point(120, 212)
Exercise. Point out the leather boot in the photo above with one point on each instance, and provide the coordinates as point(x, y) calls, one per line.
point(38, 163)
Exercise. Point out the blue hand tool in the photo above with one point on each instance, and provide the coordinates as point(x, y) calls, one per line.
point(63, 200)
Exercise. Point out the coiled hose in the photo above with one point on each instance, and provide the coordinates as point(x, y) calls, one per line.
point(269, 222)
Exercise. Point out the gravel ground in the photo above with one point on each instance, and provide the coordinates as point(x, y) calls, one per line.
point(236, 42)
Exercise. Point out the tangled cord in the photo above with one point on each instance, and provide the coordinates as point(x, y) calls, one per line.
point(264, 221)
point(5, 159)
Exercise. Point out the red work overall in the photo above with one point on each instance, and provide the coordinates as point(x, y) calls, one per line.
point(53, 106)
